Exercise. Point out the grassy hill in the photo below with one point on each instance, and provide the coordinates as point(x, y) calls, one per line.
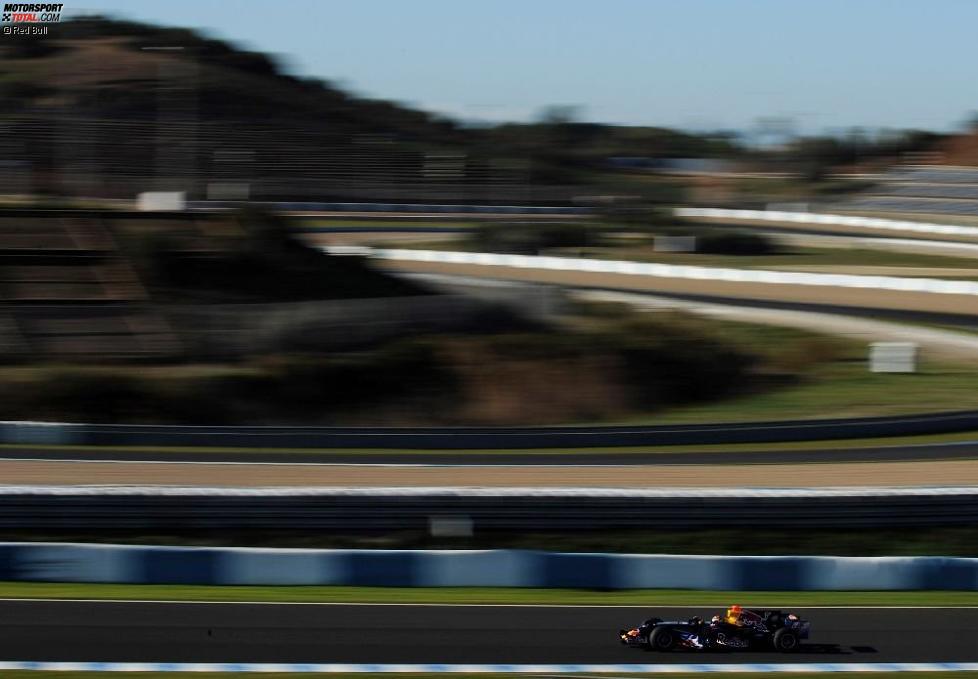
point(100, 65)
point(91, 111)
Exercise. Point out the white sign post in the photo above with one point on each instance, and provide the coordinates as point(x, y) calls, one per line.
point(892, 357)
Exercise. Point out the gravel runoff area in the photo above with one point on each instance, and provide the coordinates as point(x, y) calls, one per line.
point(43, 473)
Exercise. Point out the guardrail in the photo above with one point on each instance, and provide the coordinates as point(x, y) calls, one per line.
point(420, 208)
point(497, 438)
point(376, 510)
point(828, 219)
point(61, 562)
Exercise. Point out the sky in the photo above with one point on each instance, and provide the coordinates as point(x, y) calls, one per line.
point(823, 66)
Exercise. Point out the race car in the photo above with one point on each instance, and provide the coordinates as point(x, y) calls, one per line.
point(736, 629)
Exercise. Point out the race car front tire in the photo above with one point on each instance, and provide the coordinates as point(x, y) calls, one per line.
point(662, 639)
point(785, 641)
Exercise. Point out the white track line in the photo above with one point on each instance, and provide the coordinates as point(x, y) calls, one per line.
point(537, 669)
point(207, 602)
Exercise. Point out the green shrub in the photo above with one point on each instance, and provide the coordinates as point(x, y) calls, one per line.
point(267, 264)
point(529, 239)
point(617, 367)
point(408, 371)
point(735, 244)
point(665, 366)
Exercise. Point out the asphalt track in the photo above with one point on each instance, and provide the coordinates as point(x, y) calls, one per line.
point(964, 450)
point(166, 632)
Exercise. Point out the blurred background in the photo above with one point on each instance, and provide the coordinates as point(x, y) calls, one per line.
point(714, 261)
point(169, 187)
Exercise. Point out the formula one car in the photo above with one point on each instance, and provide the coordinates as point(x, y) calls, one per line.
point(736, 629)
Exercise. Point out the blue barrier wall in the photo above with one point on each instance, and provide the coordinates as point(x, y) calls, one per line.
point(488, 568)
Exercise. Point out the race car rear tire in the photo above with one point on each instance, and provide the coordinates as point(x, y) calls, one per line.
point(785, 641)
point(662, 639)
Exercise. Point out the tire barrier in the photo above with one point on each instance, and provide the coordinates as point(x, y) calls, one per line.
point(548, 510)
point(58, 562)
point(496, 438)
